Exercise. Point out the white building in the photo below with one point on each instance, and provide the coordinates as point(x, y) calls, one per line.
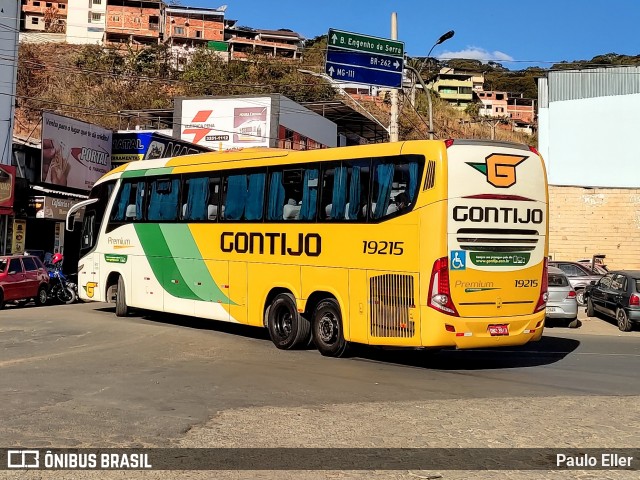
point(588, 136)
point(86, 21)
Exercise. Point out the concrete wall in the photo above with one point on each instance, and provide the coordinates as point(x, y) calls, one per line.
point(586, 221)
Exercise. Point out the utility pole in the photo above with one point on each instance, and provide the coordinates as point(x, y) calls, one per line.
point(393, 125)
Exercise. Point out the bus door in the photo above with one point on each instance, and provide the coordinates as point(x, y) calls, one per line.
point(497, 228)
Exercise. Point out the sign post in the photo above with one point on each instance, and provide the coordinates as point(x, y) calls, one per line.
point(356, 58)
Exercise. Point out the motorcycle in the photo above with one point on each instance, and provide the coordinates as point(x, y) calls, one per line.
point(61, 289)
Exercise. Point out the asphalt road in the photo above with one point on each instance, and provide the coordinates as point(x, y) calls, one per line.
point(79, 376)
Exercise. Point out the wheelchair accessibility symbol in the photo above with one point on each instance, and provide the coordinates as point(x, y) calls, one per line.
point(458, 259)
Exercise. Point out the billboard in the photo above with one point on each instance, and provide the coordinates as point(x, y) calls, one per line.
point(131, 146)
point(9, 27)
point(74, 153)
point(225, 123)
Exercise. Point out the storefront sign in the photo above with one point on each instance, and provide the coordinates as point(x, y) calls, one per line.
point(131, 146)
point(53, 208)
point(74, 153)
point(19, 236)
point(7, 189)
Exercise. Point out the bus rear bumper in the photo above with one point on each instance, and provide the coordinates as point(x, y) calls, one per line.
point(440, 330)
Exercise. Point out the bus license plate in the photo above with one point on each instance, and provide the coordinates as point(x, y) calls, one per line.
point(497, 330)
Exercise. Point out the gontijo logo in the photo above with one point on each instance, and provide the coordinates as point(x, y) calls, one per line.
point(198, 127)
point(500, 168)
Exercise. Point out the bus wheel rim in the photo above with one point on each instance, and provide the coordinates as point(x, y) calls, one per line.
point(328, 328)
point(284, 322)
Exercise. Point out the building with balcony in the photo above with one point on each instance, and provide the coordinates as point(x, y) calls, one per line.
point(186, 28)
point(455, 88)
point(136, 22)
point(43, 16)
point(244, 41)
point(493, 104)
point(523, 109)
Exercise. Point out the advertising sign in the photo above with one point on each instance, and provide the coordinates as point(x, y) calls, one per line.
point(19, 236)
point(225, 123)
point(132, 146)
point(74, 153)
point(7, 188)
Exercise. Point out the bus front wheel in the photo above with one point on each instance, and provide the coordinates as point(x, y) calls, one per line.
point(287, 328)
point(327, 329)
point(122, 310)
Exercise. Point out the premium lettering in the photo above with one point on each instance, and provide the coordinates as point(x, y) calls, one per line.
point(497, 214)
point(271, 243)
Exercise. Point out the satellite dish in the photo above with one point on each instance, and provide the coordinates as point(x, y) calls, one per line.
point(222, 8)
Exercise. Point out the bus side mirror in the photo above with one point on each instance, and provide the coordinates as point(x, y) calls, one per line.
point(71, 220)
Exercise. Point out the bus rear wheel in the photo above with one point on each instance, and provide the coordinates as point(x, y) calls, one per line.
point(327, 329)
point(287, 328)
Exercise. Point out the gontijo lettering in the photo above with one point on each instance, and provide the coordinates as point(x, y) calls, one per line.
point(497, 214)
point(272, 243)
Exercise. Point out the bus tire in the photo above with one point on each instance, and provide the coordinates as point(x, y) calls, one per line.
point(122, 310)
point(287, 328)
point(327, 329)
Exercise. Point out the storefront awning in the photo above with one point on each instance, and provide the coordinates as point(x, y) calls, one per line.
point(51, 191)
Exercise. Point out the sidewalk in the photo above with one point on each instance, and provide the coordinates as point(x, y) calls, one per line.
point(594, 326)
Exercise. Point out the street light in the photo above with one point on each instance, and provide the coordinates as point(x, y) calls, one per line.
point(443, 38)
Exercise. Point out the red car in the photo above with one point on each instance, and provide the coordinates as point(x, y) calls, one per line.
point(22, 278)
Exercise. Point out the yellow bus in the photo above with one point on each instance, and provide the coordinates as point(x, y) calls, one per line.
point(407, 244)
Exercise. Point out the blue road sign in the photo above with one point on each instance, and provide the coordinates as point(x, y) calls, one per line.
point(369, 60)
point(367, 76)
point(352, 57)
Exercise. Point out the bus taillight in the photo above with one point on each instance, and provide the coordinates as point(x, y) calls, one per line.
point(439, 292)
point(544, 287)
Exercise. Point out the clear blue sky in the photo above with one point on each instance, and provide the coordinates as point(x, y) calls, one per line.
point(515, 33)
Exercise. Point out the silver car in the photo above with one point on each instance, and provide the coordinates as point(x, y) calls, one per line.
point(579, 275)
point(562, 304)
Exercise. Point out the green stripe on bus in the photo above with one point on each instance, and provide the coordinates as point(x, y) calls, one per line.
point(158, 171)
point(133, 173)
point(189, 261)
point(163, 265)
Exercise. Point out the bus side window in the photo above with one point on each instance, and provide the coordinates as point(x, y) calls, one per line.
point(395, 185)
point(334, 192)
point(195, 198)
point(358, 193)
point(129, 203)
point(243, 197)
point(163, 201)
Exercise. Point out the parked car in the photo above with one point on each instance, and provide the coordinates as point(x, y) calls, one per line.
point(22, 278)
point(579, 275)
point(562, 304)
point(617, 295)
